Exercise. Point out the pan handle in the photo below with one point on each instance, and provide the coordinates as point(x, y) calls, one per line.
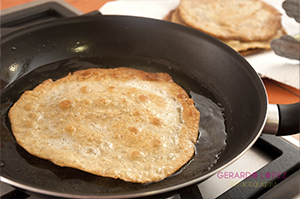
point(283, 119)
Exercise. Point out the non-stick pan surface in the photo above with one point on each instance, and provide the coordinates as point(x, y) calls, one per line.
point(196, 61)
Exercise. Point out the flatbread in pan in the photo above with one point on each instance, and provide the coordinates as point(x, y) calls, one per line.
point(120, 123)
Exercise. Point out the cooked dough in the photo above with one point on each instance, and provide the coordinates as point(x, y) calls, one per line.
point(245, 26)
point(237, 45)
point(243, 46)
point(246, 20)
point(120, 123)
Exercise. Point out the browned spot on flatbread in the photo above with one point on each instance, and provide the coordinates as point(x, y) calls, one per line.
point(65, 104)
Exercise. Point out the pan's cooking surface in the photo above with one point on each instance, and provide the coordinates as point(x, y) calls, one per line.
point(211, 142)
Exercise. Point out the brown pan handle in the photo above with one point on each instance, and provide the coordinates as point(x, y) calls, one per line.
point(283, 119)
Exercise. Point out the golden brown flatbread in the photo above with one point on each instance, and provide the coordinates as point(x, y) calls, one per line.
point(213, 24)
point(242, 46)
point(244, 20)
point(120, 123)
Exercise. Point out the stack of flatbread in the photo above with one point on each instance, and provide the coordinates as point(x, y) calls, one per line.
point(245, 25)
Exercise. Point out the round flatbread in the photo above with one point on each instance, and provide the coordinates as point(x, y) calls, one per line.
point(244, 20)
point(119, 123)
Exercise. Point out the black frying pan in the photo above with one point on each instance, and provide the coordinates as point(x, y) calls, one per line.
point(195, 60)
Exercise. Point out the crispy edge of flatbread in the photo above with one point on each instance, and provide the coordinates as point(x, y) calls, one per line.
point(168, 17)
point(247, 48)
point(190, 114)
